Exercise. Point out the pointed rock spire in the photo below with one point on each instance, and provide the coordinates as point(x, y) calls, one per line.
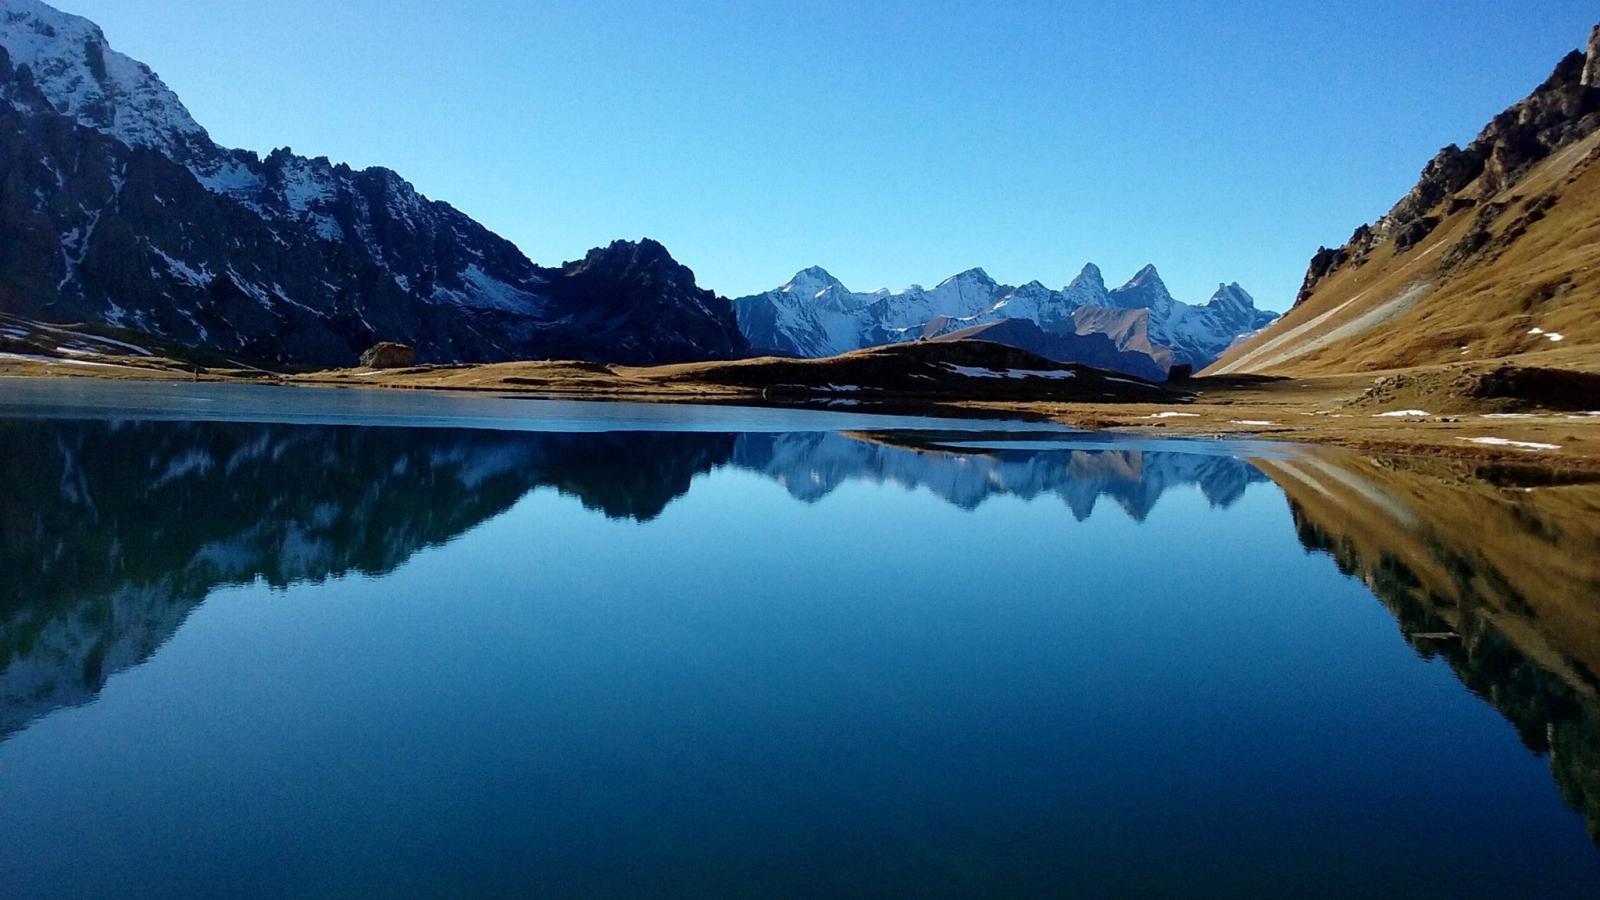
point(1088, 289)
point(1145, 290)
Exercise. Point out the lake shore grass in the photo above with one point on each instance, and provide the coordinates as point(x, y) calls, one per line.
point(1416, 412)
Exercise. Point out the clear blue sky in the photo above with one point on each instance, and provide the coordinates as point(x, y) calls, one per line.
point(891, 142)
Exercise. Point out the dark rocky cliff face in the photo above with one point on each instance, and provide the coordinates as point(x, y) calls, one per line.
point(1559, 113)
point(296, 261)
point(607, 294)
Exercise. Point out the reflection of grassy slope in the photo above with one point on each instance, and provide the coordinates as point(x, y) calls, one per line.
point(1548, 277)
point(1513, 574)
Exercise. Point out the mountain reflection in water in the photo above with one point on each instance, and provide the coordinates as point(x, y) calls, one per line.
point(112, 533)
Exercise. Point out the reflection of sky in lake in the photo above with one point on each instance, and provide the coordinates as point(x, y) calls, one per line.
point(874, 691)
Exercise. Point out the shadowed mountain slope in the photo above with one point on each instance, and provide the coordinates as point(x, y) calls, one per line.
point(116, 207)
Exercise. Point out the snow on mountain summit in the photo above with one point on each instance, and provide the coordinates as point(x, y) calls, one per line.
point(811, 282)
point(1233, 298)
point(970, 276)
point(428, 249)
point(285, 258)
point(1088, 289)
point(86, 80)
point(814, 315)
point(1144, 290)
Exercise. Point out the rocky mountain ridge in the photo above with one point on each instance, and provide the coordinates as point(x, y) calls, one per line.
point(1491, 256)
point(815, 315)
point(118, 207)
point(1559, 113)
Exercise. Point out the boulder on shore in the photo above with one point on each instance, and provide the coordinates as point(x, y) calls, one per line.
point(388, 355)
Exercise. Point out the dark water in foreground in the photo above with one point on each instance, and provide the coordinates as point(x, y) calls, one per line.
point(247, 659)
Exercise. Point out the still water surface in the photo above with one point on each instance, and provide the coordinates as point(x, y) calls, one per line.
point(617, 651)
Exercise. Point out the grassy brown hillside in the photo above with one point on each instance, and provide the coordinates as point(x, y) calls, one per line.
point(1495, 255)
point(896, 375)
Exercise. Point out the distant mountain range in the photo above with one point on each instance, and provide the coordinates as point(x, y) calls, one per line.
point(815, 315)
point(1492, 256)
point(116, 206)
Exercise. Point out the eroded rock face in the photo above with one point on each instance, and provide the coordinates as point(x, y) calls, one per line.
point(1591, 66)
point(632, 303)
point(388, 355)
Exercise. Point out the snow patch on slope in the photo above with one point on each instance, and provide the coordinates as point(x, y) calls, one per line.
point(483, 291)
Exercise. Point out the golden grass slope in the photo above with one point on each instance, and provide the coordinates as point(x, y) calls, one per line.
point(1539, 280)
point(1492, 258)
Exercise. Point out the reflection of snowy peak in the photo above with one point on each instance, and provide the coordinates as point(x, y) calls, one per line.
point(283, 258)
point(815, 315)
point(812, 466)
point(131, 525)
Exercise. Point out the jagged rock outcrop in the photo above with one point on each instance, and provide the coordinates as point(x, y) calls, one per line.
point(633, 303)
point(1490, 255)
point(388, 355)
point(1591, 63)
point(117, 207)
point(1560, 112)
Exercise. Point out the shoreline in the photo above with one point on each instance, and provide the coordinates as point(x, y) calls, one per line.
point(1313, 411)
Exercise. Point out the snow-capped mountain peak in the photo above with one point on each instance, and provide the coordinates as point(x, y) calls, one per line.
point(1144, 290)
point(85, 79)
point(1088, 289)
point(1232, 297)
point(811, 282)
point(970, 276)
point(814, 315)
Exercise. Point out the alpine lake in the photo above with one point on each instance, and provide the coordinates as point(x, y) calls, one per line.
point(266, 642)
